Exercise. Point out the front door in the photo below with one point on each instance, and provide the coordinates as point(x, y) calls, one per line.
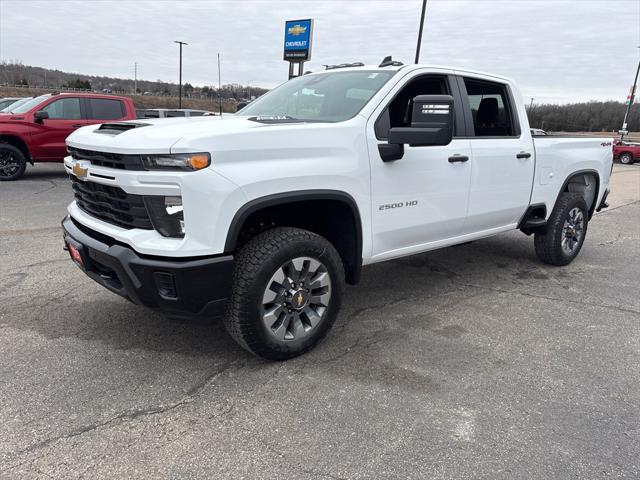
point(419, 201)
point(65, 115)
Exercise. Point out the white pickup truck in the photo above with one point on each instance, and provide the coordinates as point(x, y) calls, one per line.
point(261, 217)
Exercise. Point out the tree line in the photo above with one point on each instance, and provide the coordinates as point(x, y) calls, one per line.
point(584, 117)
point(15, 73)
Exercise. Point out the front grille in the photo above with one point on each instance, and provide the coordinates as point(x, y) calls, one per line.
point(106, 159)
point(111, 204)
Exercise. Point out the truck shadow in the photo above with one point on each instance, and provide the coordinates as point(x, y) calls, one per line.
point(87, 312)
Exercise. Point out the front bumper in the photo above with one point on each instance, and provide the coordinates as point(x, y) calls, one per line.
point(184, 288)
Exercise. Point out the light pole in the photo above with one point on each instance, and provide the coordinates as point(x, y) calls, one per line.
point(180, 81)
point(135, 78)
point(424, 9)
point(631, 97)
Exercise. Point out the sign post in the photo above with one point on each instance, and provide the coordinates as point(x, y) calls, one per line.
point(297, 43)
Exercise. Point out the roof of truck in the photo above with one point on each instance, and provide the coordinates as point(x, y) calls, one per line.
point(413, 66)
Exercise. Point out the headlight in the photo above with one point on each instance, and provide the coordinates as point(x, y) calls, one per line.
point(166, 215)
point(180, 161)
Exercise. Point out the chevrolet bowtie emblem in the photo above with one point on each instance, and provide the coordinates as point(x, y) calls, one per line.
point(297, 30)
point(299, 299)
point(80, 170)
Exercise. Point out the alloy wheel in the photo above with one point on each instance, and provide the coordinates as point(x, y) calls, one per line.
point(296, 299)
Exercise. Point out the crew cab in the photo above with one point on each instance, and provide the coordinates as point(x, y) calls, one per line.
point(35, 131)
point(263, 216)
point(626, 152)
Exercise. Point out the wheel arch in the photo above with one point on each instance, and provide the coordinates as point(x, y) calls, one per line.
point(337, 218)
point(17, 142)
point(578, 182)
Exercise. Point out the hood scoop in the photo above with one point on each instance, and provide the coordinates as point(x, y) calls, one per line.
point(117, 128)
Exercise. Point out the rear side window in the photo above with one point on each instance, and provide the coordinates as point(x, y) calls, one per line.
point(175, 113)
point(64, 109)
point(490, 109)
point(196, 114)
point(105, 109)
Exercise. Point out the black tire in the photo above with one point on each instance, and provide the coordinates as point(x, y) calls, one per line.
point(256, 265)
point(549, 245)
point(626, 159)
point(12, 162)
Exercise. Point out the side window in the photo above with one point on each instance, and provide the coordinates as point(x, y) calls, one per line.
point(105, 109)
point(196, 113)
point(175, 113)
point(64, 109)
point(398, 112)
point(490, 109)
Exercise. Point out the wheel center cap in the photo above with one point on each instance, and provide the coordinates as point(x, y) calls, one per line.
point(299, 299)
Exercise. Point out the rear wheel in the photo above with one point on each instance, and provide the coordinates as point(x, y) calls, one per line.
point(287, 289)
point(565, 231)
point(12, 162)
point(626, 159)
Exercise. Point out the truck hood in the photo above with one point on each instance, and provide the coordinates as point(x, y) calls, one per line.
point(159, 135)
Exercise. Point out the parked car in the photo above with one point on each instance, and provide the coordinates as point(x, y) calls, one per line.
point(5, 102)
point(626, 152)
point(265, 215)
point(15, 104)
point(538, 132)
point(36, 130)
point(171, 113)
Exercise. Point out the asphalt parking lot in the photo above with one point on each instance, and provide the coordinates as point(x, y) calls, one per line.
point(469, 362)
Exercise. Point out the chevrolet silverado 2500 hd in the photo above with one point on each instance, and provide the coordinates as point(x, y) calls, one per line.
point(261, 217)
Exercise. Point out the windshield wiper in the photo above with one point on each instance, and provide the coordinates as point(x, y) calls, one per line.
point(275, 119)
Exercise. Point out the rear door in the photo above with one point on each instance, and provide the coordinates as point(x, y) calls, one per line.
point(502, 156)
point(65, 115)
point(422, 197)
point(100, 110)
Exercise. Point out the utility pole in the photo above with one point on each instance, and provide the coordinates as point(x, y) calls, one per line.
point(135, 78)
point(219, 86)
point(180, 81)
point(631, 98)
point(424, 9)
point(531, 104)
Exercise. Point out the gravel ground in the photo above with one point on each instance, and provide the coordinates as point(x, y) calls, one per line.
point(469, 362)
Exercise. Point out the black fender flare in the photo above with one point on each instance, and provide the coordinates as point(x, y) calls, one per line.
point(260, 203)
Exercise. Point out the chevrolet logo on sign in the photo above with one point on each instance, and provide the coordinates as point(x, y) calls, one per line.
point(297, 30)
point(80, 170)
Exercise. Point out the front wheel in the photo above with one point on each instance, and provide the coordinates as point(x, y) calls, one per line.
point(565, 232)
point(626, 159)
point(12, 162)
point(287, 289)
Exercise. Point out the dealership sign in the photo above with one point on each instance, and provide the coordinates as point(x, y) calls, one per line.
point(297, 40)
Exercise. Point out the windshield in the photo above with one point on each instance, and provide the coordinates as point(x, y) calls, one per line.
point(329, 97)
point(10, 108)
point(25, 107)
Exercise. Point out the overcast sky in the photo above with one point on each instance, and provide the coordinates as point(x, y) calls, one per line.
point(558, 51)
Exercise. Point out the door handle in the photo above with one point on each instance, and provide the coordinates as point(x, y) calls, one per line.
point(523, 155)
point(458, 158)
point(76, 125)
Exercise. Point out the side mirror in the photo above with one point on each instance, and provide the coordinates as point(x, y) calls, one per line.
point(40, 115)
point(240, 106)
point(431, 123)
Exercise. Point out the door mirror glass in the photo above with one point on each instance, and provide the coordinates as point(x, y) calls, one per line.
point(431, 123)
point(40, 115)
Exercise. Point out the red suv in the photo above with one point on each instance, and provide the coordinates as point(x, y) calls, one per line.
point(627, 153)
point(36, 130)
